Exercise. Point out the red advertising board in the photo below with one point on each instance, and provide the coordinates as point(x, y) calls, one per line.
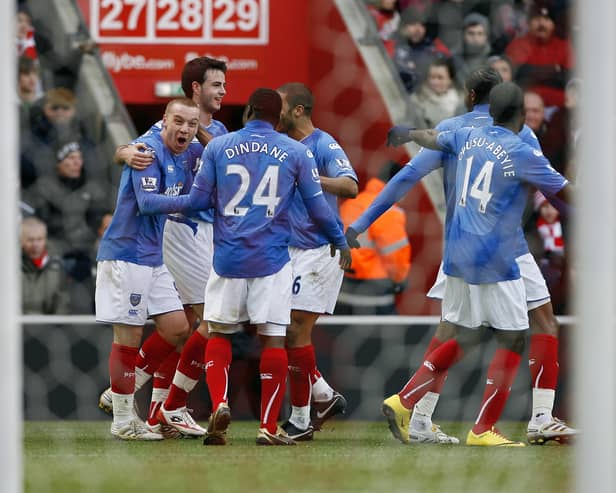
point(145, 43)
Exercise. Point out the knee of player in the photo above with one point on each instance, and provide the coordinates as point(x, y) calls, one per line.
point(445, 331)
point(543, 321)
point(513, 340)
point(177, 333)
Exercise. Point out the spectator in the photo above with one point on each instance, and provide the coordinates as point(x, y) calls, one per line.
point(502, 65)
point(53, 120)
point(28, 86)
point(508, 20)
point(26, 45)
point(534, 116)
point(387, 20)
point(475, 46)
point(542, 60)
point(381, 265)
point(415, 50)
point(42, 280)
point(562, 134)
point(552, 260)
point(437, 98)
point(70, 204)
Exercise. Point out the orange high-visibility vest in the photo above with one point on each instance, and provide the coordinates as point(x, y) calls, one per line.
point(385, 251)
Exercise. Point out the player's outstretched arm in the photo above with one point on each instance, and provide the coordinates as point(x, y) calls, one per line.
point(157, 203)
point(421, 165)
point(340, 186)
point(137, 156)
point(425, 138)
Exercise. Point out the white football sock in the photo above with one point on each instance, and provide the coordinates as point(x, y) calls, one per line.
point(300, 416)
point(543, 403)
point(122, 407)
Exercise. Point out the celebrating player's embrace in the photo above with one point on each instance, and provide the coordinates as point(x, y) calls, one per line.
point(250, 178)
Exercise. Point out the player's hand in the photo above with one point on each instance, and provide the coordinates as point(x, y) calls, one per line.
point(204, 136)
point(351, 238)
point(138, 156)
point(345, 258)
point(398, 135)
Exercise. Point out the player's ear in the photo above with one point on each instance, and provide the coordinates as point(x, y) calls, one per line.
point(248, 112)
point(196, 87)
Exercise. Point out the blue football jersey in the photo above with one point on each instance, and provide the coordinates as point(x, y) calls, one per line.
point(135, 235)
point(493, 173)
point(215, 128)
point(250, 177)
point(331, 162)
point(427, 161)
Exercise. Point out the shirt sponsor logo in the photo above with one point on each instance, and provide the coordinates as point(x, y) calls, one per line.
point(149, 183)
point(170, 168)
point(174, 190)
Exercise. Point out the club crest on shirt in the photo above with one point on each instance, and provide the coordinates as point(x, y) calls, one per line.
point(135, 299)
point(149, 183)
point(309, 153)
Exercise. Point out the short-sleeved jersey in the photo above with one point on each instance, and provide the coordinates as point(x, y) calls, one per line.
point(493, 173)
point(427, 161)
point(133, 236)
point(215, 128)
point(252, 175)
point(331, 162)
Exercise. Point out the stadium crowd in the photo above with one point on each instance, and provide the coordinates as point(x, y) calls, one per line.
point(68, 206)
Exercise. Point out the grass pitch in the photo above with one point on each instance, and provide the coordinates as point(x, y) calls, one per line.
point(347, 456)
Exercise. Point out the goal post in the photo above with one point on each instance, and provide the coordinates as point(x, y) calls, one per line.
point(595, 234)
point(10, 330)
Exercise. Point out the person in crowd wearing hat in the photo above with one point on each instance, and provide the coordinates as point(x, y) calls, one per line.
point(542, 61)
point(475, 46)
point(71, 206)
point(415, 50)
